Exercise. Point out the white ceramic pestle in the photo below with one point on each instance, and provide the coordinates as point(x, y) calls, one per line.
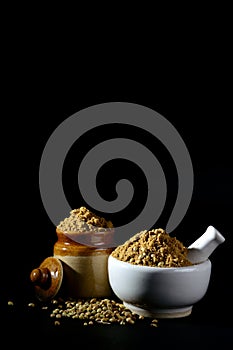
point(203, 247)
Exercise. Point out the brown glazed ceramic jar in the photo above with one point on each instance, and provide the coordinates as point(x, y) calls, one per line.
point(85, 267)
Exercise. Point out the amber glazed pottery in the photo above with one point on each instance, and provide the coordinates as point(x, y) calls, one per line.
point(77, 270)
point(85, 267)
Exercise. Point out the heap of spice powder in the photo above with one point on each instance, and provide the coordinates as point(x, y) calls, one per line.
point(153, 248)
point(82, 219)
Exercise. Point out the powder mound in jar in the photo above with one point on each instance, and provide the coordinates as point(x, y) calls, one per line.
point(82, 219)
point(153, 248)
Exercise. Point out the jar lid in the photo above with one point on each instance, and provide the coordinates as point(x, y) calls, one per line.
point(47, 278)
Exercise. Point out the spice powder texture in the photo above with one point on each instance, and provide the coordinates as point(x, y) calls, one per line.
point(82, 219)
point(153, 248)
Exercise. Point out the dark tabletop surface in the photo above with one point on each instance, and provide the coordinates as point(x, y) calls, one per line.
point(207, 326)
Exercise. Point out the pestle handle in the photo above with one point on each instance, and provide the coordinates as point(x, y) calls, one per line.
point(203, 247)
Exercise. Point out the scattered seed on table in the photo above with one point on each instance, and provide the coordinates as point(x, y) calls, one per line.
point(95, 310)
point(31, 304)
point(90, 311)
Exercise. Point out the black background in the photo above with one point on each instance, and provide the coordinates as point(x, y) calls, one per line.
point(192, 90)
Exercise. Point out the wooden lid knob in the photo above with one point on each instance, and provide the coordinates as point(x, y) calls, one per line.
point(40, 276)
point(47, 278)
